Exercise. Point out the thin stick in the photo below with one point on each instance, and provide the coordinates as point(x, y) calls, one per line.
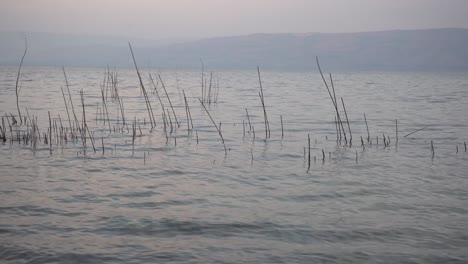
point(340, 122)
point(347, 121)
point(18, 76)
point(202, 77)
point(262, 99)
point(336, 128)
point(396, 130)
point(156, 90)
point(188, 110)
point(248, 118)
point(308, 139)
point(252, 157)
point(91, 137)
point(50, 134)
point(214, 123)
point(66, 106)
point(367, 127)
point(71, 101)
point(432, 149)
point(170, 120)
point(331, 97)
point(209, 89)
point(142, 86)
point(107, 112)
point(169, 99)
point(217, 88)
point(282, 131)
point(84, 116)
point(417, 130)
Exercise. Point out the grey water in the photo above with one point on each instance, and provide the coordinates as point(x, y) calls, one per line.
point(181, 199)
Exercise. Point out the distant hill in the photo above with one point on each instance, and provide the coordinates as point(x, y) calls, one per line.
point(418, 50)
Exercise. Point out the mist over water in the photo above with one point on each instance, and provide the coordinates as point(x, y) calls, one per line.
point(181, 199)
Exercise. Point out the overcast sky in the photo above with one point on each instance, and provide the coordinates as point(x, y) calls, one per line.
point(159, 19)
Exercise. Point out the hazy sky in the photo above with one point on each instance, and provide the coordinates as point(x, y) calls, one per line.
point(208, 18)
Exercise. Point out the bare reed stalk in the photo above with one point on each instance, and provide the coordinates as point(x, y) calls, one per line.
point(416, 131)
point(332, 98)
point(248, 118)
point(262, 99)
point(18, 77)
point(13, 120)
point(155, 85)
point(11, 129)
point(133, 136)
point(367, 127)
point(3, 130)
point(169, 99)
point(27, 112)
point(189, 115)
point(340, 122)
point(186, 112)
point(209, 90)
point(252, 157)
point(105, 109)
point(71, 101)
point(156, 90)
point(214, 123)
point(336, 130)
point(142, 86)
point(115, 94)
point(217, 89)
point(91, 137)
point(163, 115)
point(122, 109)
point(170, 120)
point(339, 117)
point(308, 140)
point(50, 134)
point(84, 119)
point(282, 130)
point(432, 149)
point(253, 131)
point(202, 79)
point(347, 121)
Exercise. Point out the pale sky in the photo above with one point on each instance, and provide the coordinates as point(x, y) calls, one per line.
point(159, 19)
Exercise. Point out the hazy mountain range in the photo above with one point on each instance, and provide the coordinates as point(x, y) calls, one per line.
point(419, 50)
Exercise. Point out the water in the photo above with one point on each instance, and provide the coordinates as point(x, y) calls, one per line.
point(178, 201)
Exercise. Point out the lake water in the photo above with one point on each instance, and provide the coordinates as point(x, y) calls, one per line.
point(177, 197)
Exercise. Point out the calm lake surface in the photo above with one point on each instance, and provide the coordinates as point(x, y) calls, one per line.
point(181, 199)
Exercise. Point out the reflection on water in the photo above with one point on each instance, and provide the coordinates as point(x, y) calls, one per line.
point(181, 199)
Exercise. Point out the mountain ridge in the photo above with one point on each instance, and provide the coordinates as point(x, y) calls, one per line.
point(442, 49)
